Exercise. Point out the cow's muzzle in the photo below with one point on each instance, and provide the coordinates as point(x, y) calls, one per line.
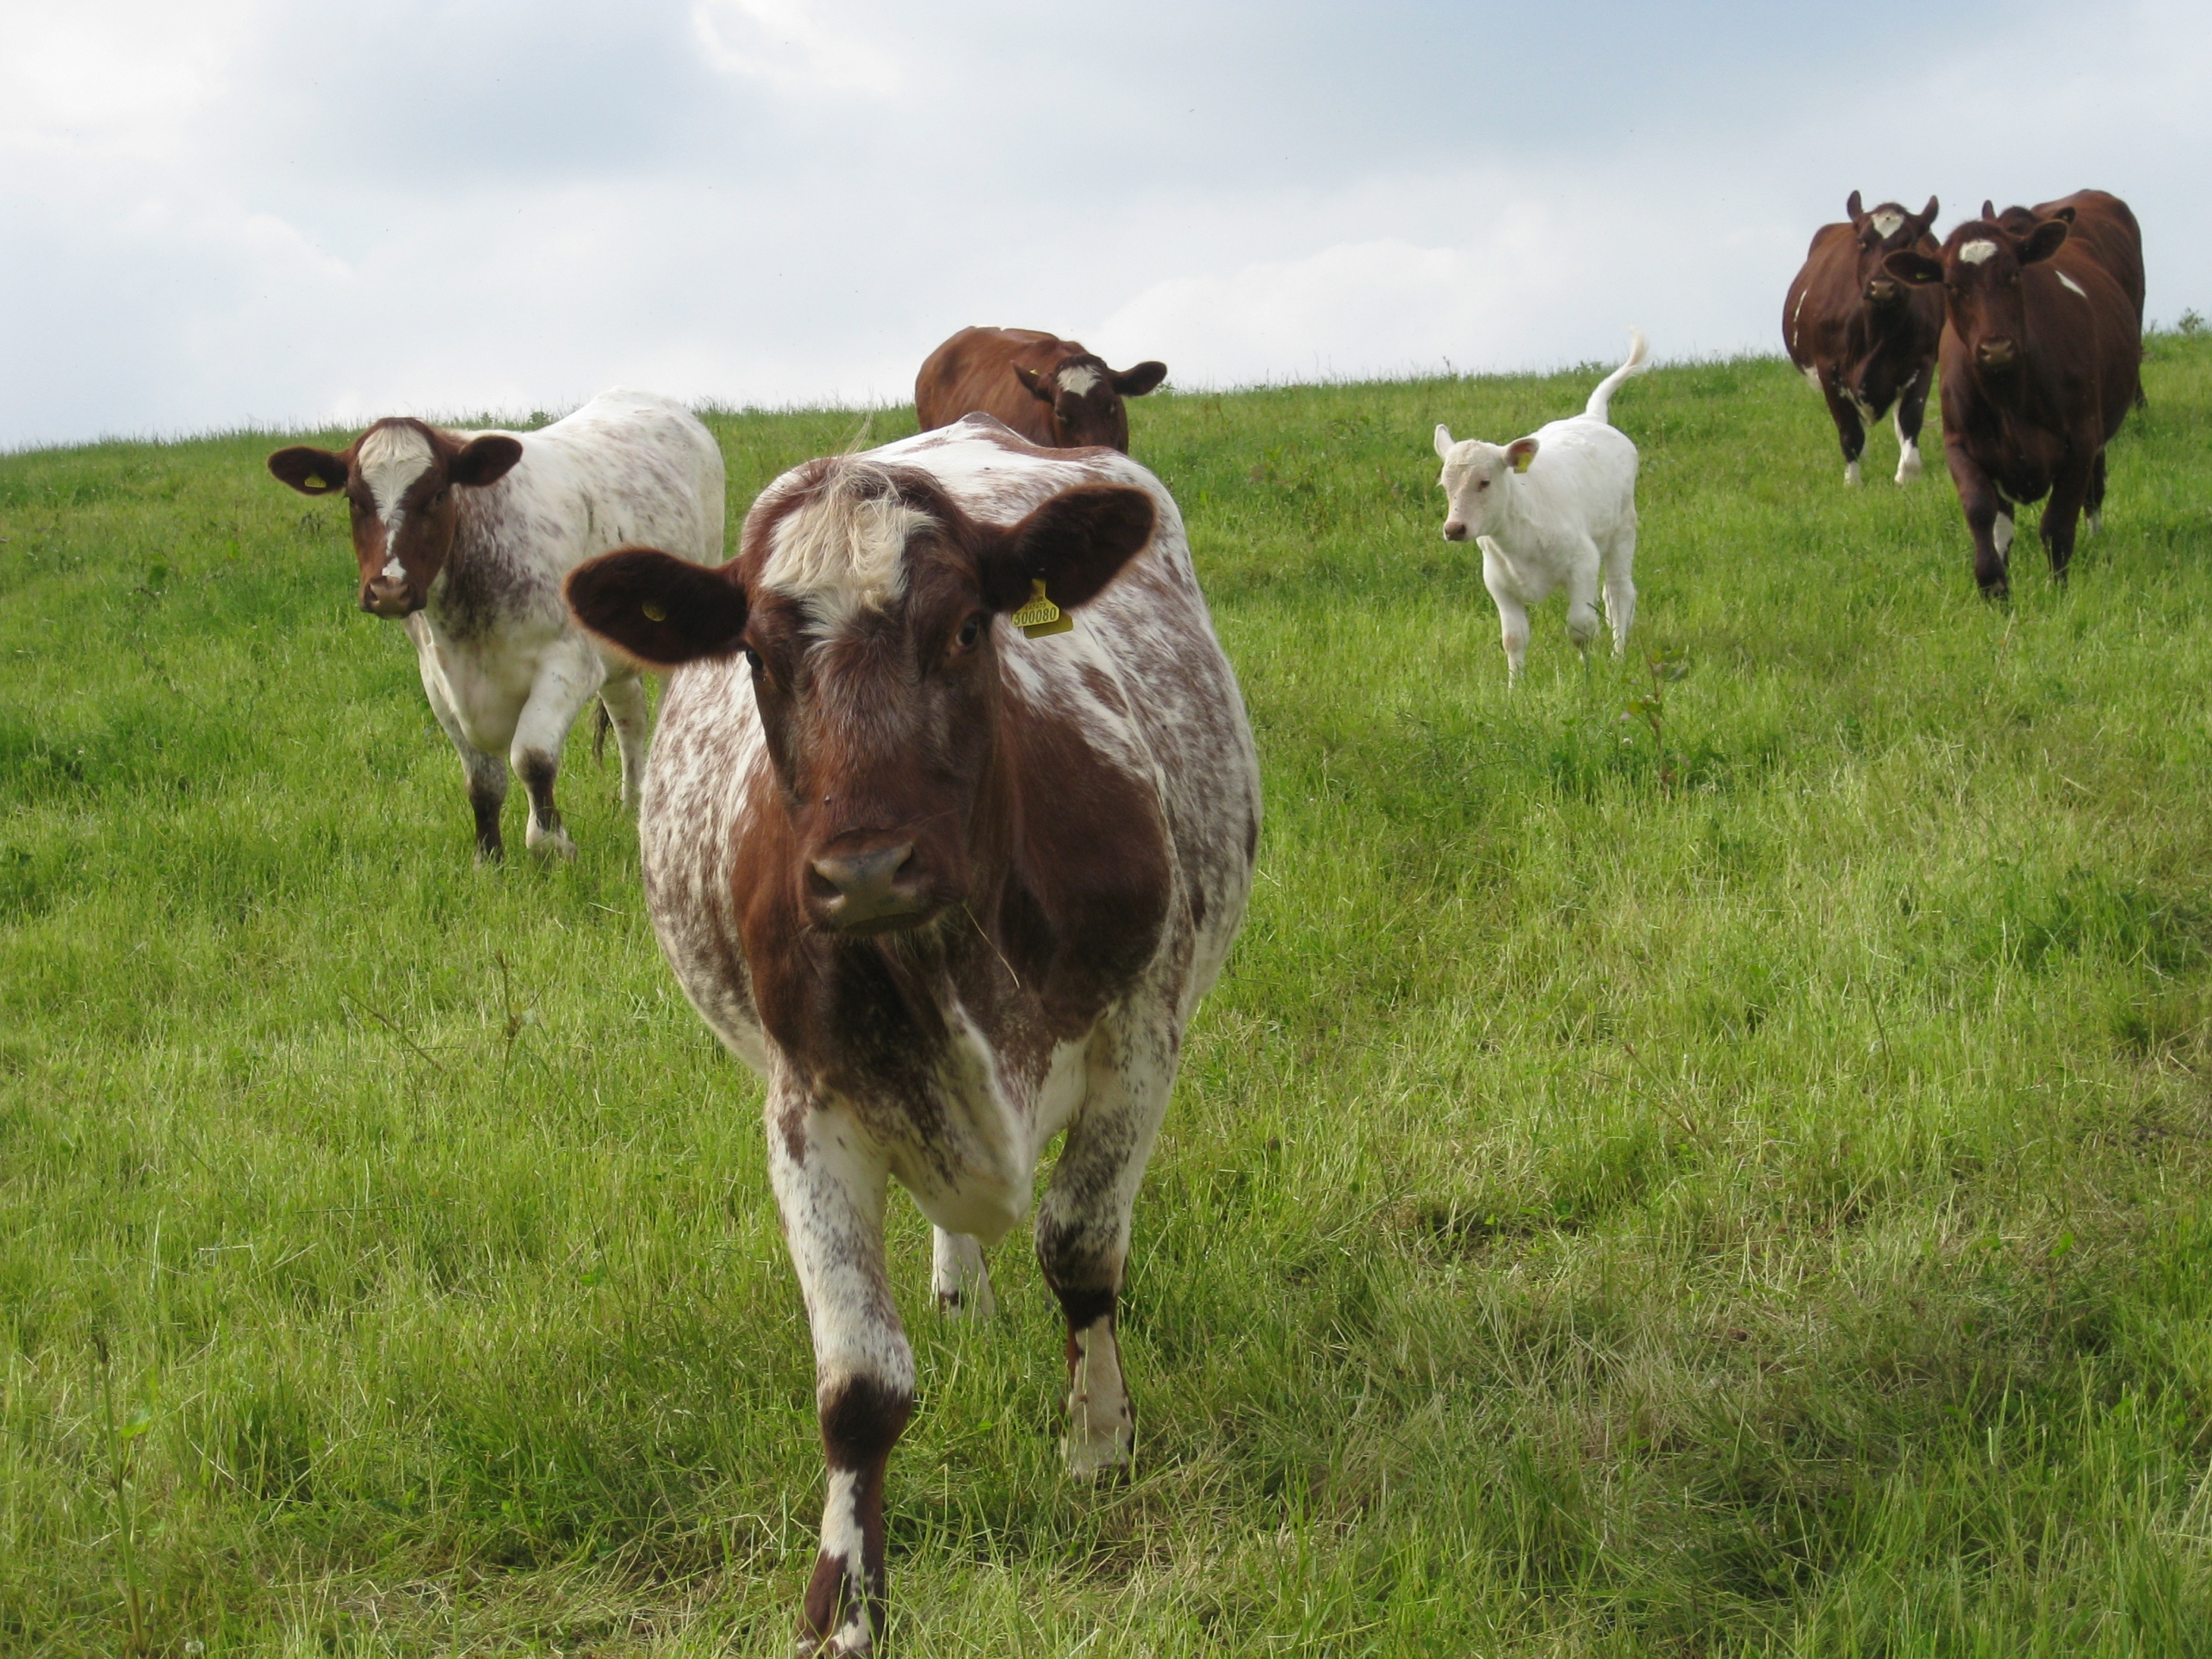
point(1454, 531)
point(381, 596)
point(1996, 353)
point(875, 890)
point(1882, 291)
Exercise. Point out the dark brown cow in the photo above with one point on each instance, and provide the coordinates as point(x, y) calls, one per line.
point(952, 871)
point(1049, 390)
point(2101, 222)
point(2042, 359)
point(1866, 340)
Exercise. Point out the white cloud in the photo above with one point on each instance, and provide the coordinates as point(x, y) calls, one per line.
point(791, 45)
point(228, 212)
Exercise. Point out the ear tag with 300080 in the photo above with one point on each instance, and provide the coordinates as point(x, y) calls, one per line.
point(1038, 616)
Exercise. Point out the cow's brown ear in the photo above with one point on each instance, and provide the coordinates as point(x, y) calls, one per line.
point(1988, 210)
point(1075, 543)
point(1853, 211)
point(485, 460)
point(1910, 265)
point(311, 471)
point(1134, 383)
point(1926, 217)
point(2065, 213)
point(662, 610)
point(1039, 388)
point(2044, 241)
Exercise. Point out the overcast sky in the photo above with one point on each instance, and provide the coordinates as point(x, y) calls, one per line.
point(230, 211)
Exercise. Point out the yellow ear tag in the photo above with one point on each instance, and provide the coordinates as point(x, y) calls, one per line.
point(653, 612)
point(313, 480)
point(1038, 616)
point(1522, 464)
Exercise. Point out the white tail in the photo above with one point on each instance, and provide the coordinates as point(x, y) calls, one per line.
point(1638, 361)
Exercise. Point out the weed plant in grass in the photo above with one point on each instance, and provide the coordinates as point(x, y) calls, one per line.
point(1757, 1211)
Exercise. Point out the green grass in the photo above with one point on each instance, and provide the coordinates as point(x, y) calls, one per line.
point(1758, 1212)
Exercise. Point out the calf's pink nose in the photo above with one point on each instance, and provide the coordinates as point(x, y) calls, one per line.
point(1454, 531)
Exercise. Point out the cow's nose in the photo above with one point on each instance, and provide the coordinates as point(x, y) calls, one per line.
point(381, 596)
point(1882, 293)
point(862, 890)
point(1454, 531)
point(1995, 354)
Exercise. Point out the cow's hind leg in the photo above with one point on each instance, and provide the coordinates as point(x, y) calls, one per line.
point(625, 702)
point(487, 773)
point(2092, 505)
point(830, 1191)
point(1083, 1229)
point(963, 1283)
point(1620, 583)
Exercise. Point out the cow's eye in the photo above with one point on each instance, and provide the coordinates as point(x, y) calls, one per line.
point(753, 658)
point(971, 630)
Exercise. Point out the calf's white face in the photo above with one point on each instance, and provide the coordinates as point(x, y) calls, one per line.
point(1477, 481)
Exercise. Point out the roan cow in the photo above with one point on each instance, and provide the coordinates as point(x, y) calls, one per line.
point(466, 537)
point(949, 824)
point(1865, 340)
point(1556, 509)
point(1049, 390)
point(2042, 359)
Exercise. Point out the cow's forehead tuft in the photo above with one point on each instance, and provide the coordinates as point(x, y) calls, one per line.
point(1978, 250)
point(1886, 221)
point(1077, 380)
point(843, 550)
point(391, 458)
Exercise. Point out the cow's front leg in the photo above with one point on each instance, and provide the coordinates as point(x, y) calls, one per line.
point(1912, 408)
point(1984, 508)
point(1850, 430)
point(1083, 1229)
point(487, 773)
point(555, 699)
point(829, 1187)
point(1512, 615)
point(2062, 514)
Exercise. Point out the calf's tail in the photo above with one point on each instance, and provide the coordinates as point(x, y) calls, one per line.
point(1639, 360)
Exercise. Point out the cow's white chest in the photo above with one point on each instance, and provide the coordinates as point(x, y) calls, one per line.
point(978, 1180)
point(486, 684)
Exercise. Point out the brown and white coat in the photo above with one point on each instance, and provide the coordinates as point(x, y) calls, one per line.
point(951, 890)
point(466, 538)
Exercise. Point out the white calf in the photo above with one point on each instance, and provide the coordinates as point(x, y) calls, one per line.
point(1557, 508)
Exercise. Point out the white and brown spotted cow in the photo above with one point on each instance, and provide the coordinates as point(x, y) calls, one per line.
point(949, 888)
point(467, 536)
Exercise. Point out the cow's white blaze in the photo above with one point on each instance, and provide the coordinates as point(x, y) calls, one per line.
point(1077, 380)
point(2068, 282)
point(1886, 224)
point(391, 458)
point(844, 552)
point(1974, 252)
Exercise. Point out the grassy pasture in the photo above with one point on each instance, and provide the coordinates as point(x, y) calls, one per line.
point(1754, 1205)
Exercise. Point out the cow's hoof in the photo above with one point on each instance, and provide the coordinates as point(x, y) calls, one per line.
point(555, 844)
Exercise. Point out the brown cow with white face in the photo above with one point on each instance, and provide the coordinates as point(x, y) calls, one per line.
point(1865, 340)
point(2042, 359)
point(951, 869)
point(1049, 390)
